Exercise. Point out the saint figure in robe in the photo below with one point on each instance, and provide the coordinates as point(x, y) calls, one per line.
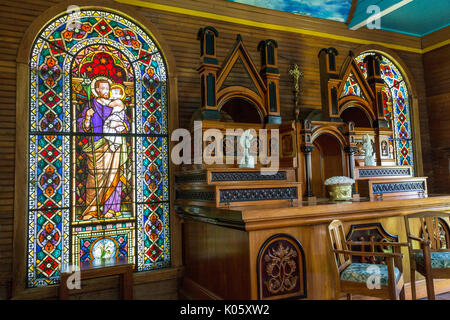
point(103, 184)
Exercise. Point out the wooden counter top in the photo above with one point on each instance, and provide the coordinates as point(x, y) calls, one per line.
point(268, 216)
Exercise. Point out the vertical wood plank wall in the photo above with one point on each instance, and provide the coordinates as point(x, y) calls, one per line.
point(437, 77)
point(180, 32)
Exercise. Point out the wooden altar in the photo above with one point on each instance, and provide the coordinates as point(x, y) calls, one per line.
point(222, 246)
point(248, 235)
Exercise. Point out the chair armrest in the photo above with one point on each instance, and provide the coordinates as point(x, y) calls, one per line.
point(385, 244)
point(370, 254)
point(425, 242)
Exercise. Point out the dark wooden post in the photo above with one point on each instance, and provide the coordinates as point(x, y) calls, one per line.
point(329, 83)
point(208, 72)
point(271, 77)
point(307, 149)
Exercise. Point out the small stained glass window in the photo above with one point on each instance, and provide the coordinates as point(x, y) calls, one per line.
point(98, 147)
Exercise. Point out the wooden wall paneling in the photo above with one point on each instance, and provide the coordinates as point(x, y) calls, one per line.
point(317, 170)
point(437, 82)
point(299, 49)
point(434, 39)
point(246, 15)
point(217, 258)
point(14, 20)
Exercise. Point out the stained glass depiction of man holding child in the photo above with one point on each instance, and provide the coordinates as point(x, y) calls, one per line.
point(104, 113)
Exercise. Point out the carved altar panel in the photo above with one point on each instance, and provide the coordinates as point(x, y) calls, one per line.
point(281, 269)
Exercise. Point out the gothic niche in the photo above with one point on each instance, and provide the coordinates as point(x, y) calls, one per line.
point(240, 110)
point(329, 160)
point(357, 116)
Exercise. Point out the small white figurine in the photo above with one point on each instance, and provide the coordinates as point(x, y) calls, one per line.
point(247, 161)
point(369, 159)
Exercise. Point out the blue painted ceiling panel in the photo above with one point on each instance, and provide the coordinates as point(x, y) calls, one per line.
point(418, 17)
point(336, 10)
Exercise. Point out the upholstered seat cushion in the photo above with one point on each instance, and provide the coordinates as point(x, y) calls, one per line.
point(438, 259)
point(360, 272)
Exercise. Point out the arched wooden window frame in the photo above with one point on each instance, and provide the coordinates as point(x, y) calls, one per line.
point(414, 100)
point(22, 133)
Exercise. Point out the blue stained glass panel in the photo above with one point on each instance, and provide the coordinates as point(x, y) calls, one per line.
point(400, 107)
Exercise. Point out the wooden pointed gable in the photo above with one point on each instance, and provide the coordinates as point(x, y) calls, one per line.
point(239, 77)
point(354, 90)
point(351, 68)
point(238, 81)
point(347, 89)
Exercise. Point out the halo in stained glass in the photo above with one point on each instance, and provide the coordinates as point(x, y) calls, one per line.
point(98, 83)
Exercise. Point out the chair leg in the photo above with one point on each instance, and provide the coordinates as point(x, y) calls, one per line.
point(349, 296)
point(413, 283)
point(402, 294)
point(430, 287)
point(393, 294)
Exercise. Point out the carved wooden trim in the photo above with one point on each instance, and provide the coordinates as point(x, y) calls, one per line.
point(281, 269)
point(331, 130)
point(246, 176)
point(240, 51)
point(258, 194)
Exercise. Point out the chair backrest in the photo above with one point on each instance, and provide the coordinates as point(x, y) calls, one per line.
point(433, 227)
point(337, 241)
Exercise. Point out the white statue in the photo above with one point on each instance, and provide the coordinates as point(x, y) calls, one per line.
point(369, 159)
point(247, 161)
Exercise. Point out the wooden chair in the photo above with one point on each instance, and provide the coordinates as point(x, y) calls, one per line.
point(432, 260)
point(357, 278)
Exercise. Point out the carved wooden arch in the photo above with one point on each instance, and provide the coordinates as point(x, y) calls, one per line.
point(330, 130)
point(229, 93)
point(367, 105)
point(225, 94)
point(22, 112)
point(357, 102)
point(262, 91)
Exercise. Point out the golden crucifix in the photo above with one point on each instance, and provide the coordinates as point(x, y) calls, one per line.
point(296, 74)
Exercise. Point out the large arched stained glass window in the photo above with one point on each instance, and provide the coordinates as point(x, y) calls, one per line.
point(396, 107)
point(98, 147)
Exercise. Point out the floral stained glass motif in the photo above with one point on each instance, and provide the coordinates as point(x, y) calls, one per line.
point(352, 87)
point(98, 144)
point(396, 107)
